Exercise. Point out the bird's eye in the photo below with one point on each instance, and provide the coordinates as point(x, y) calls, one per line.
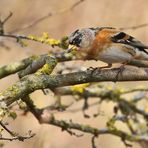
point(77, 41)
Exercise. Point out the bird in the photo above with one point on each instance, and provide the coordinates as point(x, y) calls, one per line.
point(108, 44)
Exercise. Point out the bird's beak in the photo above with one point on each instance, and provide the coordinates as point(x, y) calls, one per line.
point(70, 41)
point(70, 48)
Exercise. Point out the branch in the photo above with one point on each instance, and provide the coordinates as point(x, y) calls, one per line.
point(39, 61)
point(32, 64)
point(114, 95)
point(33, 82)
point(134, 27)
point(4, 127)
point(31, 38)
point(14, 67)
point(3, 22)
point(88, 129)
point(15, 136)
point(19, 138)
point(50, 14)
point(89, 92)
point(47, 118)
point(7, 18)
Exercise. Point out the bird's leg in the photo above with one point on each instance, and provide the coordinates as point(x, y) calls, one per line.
point(92, 69)
point(121, 69)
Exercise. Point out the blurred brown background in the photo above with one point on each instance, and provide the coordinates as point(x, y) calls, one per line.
point(90, 13)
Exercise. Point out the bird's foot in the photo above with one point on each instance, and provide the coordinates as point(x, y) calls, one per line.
point(120, 71)
point(92, 70)
point(98, 69)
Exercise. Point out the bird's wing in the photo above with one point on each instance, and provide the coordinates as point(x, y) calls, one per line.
point(124, 38)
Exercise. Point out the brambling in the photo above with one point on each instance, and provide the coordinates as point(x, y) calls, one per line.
point(108, 45)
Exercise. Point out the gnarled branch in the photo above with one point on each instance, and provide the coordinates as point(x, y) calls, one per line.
point(33, 82)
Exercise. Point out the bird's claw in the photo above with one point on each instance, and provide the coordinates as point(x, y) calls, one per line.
point(120, 70)
point(92, 70)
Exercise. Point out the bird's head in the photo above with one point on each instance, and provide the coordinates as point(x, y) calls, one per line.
point(82, 38)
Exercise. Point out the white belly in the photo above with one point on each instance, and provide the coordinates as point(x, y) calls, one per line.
point(114, 55)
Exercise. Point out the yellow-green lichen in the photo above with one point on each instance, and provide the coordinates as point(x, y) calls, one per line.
point(34, 57)
point(45, 39)
point(79, 88)
point(64, 42)
point(48, 67)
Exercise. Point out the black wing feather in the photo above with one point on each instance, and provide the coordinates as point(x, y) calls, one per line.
point(119, 38)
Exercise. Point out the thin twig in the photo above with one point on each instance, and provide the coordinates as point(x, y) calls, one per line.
point(93, 142)
point(134, 27)
point(14, 135)
point(50, 14)
point(7, 18)
point(19, 138)
point(4, 127)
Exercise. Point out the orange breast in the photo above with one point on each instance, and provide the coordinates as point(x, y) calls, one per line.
point(102, 42)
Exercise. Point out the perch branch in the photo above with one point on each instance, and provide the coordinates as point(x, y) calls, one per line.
point(33, 82)
point(39, 61)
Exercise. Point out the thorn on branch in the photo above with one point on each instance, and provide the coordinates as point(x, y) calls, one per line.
point(8, 17)
point(2, 22)
point(85, 107)
point(98, 113)
point(6, 129)
point(93, 142)
point(125, 143)
point(65, 128)
point(72, 133)
point(116, 109)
